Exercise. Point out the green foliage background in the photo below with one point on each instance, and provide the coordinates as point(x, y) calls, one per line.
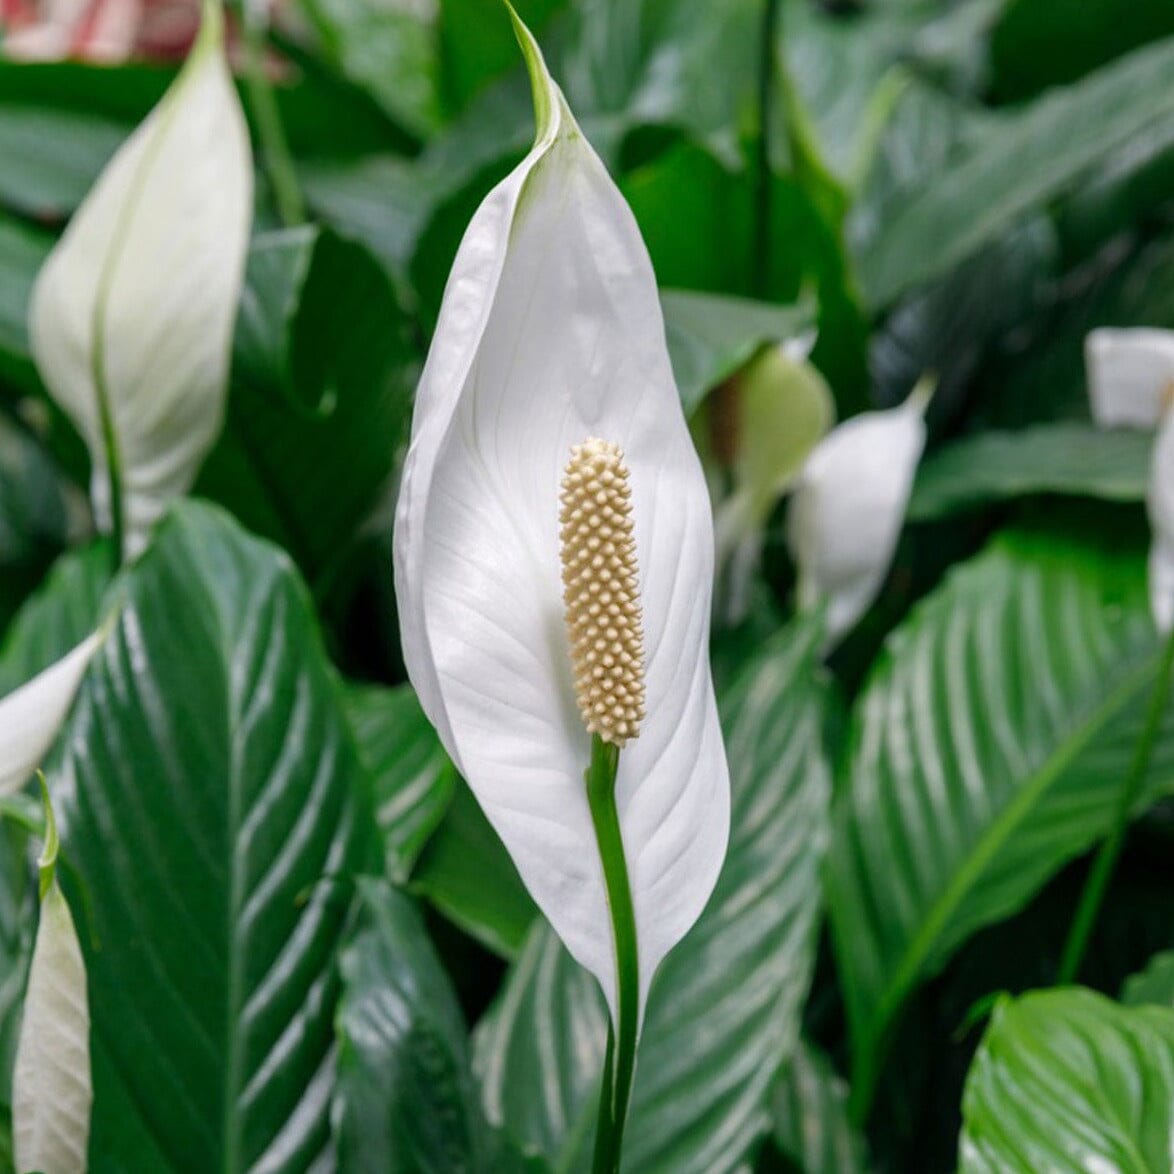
point(306, 948)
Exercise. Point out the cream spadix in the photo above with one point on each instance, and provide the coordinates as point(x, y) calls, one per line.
point(132, 314)
point(601, 591)
point(550, 333)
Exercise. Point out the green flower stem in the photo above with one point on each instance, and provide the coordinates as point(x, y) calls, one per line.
point(274, 148)
point(1106, 862)
point(620, 1061)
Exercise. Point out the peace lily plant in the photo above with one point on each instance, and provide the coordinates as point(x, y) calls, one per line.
point(553, 567)
point(131, 317)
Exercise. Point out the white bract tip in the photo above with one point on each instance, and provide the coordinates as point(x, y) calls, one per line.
point(1130, 375)
point(849, 506)
point(550, 332)
point(601, 591)
point(31, 715)
point(1160, 506)
point(52, 1092)
point(132, 314)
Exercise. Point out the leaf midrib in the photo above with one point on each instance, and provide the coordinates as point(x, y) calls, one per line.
point(988, 846)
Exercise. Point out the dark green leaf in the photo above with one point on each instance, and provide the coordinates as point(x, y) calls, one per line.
point(1034, 157)
point(1075, 459)
point(1154, 985)
point(64, 611)
point(390, 52)
point(466, 873)
point(412, 778)
point(723, 1011)
point(22, 251)
point(809, 1115)
point(405, 1100)
point(710, 337)
point(988, 748)
point(321, 398)
point(211, 799)
point(1066, 1080)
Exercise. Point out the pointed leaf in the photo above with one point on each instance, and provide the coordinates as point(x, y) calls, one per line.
point(1056, 458)
point(411, 776)
point(809, 1114)
point(987, 749)
point(131, 317)
point(1040, 152)
point(711, 1045)
point(1066, 1080)
point(405, 1098)
point(211, 799)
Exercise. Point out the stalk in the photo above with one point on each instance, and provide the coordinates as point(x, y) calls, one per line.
point(620, 1061)
point(1103, 867)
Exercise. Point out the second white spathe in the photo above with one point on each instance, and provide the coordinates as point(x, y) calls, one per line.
point(849, 506)
point(132, 314)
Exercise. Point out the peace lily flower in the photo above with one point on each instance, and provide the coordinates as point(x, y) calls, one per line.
point(781, 407)
point(132, 314)
point(848, 508)
point(1131, 383)
point(549, 376)
point(31, 715)
point(52, 1090)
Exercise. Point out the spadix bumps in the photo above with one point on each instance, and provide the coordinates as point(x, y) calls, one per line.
point(601, 591)
point(551, 334)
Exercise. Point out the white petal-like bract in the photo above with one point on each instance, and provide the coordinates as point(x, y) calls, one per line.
point(1130, 375)
point(551, 333)
point(51, 1084)
point(31, 715)
point(848, 508)
point(1160, 504)
point(132, 314)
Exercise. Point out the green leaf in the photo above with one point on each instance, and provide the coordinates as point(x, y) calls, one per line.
point(724, 1008)
point(405, 1099)
point(711, 336)
point(389, 51)
point(466, 873)
point(23, 249)
point(809, 1115)
point(16, 945)
point(1066, 1080)
point(1063, 458)
point(212, 802)
point(321, 394)
point(987, 749)
point(63, 612)
point(1036, 156)
point(412, 778)
point(1154, 985)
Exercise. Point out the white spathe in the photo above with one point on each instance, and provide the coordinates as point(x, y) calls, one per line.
point(849, 506)
point(1131, 383)
point(1130, 375)
point(132, 314)
point(31, 715)
point(52, 1089)
point(550, 333)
